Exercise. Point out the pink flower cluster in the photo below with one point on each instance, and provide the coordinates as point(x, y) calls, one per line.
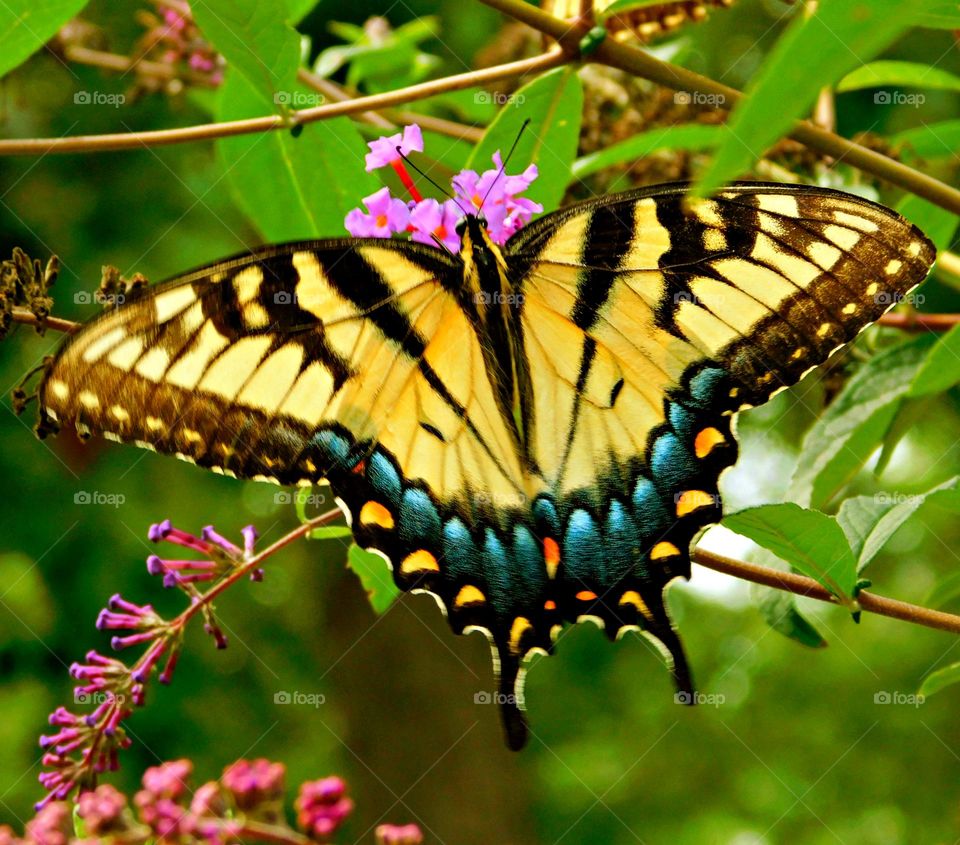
point(492, 193)
point(244, 805)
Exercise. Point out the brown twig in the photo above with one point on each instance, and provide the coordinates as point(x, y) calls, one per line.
point(803, 586)
point(271, 123)
point(915, 321)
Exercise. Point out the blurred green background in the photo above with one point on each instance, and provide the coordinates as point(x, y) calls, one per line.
point(799, 751)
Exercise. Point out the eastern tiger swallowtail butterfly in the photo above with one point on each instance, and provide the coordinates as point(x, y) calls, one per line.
point(532, 433)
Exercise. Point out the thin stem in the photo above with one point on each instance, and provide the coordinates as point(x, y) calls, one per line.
point(270, 123)
point(802, 586)
point(915, 321)
point(643, 64)
point(58, 324)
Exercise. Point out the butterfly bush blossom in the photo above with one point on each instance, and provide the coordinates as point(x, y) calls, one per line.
point(494, 193)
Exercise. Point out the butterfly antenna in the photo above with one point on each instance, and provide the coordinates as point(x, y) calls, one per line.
point(506, 160)
point(435, 184)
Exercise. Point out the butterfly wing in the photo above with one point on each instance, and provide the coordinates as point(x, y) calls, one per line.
point(647, 323)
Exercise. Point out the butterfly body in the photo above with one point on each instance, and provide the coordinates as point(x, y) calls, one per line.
point(532, 432)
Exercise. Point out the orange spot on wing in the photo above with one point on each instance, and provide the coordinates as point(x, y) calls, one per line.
point(707, 440)
point(692, 500)
point(587, 595)
point(549, 604)
point(551, 556)
point(418, 562)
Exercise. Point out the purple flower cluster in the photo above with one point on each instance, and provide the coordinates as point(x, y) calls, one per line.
point(493, 192)
point(85, 746)
point(179, 42)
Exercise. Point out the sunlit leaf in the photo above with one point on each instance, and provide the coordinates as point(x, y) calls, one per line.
point(901, 74)
point(870, 521)
point(779, 609)
point(26, 25)
point(930, 140)
point(814, 52)
point(852, 428)
point(375, 576)
point(811, 542)
point(256, 42)
point(692, 136)
point(553, 103)
point(293, 187)
point(940, 679)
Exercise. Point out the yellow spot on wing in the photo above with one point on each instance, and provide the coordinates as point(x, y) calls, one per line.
point(468, 595)
point(855, 221)
point(89, 399)
point(153, 364)
point(419, 562)
point(893, 266)
point(98, 347)
point(663, 549)
point(783, 204)
point(246, 284)
point(373, 513)
point(170, 303)
point(692, 500)
point(519, 627)
point(126, 354)
point(650, 239)
point(59, 389)
point(849, 308)
point(842, 236)
point(632, 598)
point(823, 254)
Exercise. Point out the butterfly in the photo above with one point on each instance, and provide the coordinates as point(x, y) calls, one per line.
point(533, 433)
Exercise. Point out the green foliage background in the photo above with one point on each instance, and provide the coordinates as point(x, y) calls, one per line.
point(802, 749)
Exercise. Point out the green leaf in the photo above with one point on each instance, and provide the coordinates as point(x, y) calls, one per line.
point(256, 42)
point(930, 140)
point(902, 74)
point(941, 369)
point(299, 9)
point(690, 136)
point(553, 103)
point(375, 576)
point(935, 222)
point(942, 678)
point(939, 16)
point(814, 52)
point(293, 188)
point(330, 532)
point(811, 542)
point(26, 25)
point(870, 521)
point(779, 610)
point(28, 611)
point(621, 7)
point(944, 592)
point(851, 429)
